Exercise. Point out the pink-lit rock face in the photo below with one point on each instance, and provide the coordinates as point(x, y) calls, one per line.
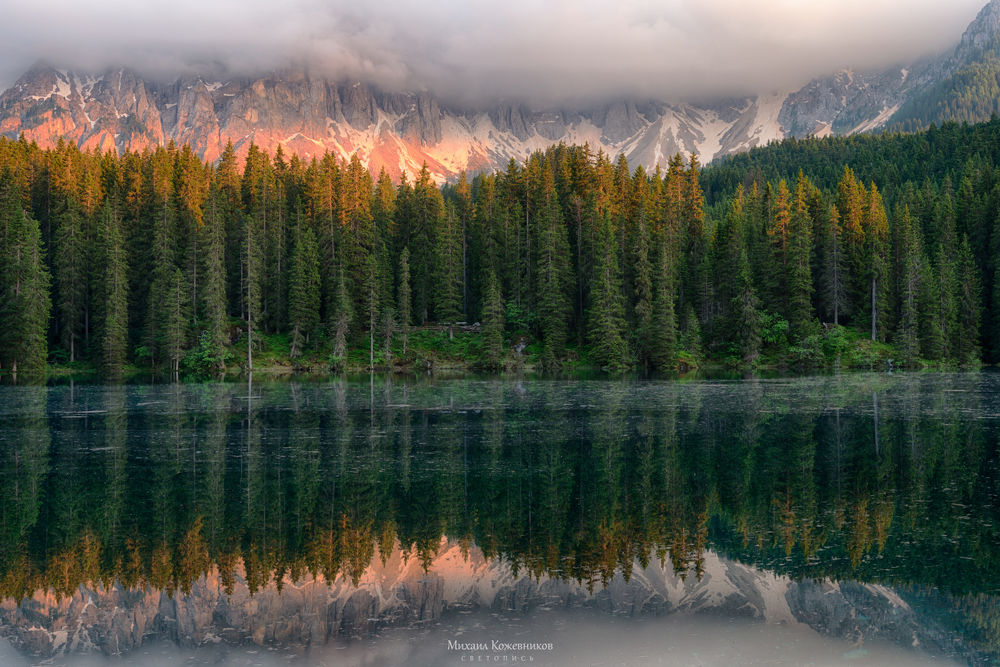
point(398, 132)
point(311, 612)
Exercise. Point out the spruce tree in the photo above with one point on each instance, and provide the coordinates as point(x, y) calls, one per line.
point(967, 345)
point(908, 330)
point(947, 284)
point(642, 308)
point(798, 281)
point(493, 323)
point(161, 287)
point(663, 330)
point(744, 313)
point(25, 303)
point(252, 264)
point(173, 320)
point(113, 294)
point(343, 315)
point(448, 270)
point(832, 266)
point(403, 298)
point(932, 344)
point(607, 307)
point(304, 288)
point(877, 269)
point(553, 281)
point(212, 294)
point(71, 275)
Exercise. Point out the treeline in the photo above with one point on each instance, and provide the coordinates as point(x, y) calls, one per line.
point(161, 260)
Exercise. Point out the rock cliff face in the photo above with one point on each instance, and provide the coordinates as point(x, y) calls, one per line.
point(399, 593)
point(308, 116)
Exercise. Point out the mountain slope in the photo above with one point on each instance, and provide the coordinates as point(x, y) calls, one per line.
point(967, 85)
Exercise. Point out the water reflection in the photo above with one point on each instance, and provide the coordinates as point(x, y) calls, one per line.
point(144, 498)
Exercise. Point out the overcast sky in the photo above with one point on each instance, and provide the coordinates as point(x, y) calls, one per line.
point(468, 50)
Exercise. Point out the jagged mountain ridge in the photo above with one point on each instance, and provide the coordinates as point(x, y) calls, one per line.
point(308, 115)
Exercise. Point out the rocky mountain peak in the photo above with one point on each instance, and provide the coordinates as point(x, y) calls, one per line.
point(400, 131)
point(982, 38)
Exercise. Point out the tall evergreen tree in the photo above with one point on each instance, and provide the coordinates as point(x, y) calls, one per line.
point(493, 322)
point(607, 307)
point(832, 266)
point(71, 274)
point(212, 294)
point(908, 330)
point(553, 283)
point(642, 308)
point(966, 347)
point(113, 294)
point(304, 288)
point(342, 317)
point(663, 333)
point(404, 293)
point(24, 280)
point(798, 282)
point(448, 270)
point(744, 313)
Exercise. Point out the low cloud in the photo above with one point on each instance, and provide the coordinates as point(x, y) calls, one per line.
point(471, 52)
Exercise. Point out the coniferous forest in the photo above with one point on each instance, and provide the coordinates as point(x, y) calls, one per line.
point(807, 253)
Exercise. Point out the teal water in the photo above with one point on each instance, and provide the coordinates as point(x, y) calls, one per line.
point(863, 509)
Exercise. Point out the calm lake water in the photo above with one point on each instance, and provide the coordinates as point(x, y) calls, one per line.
point(844, 519)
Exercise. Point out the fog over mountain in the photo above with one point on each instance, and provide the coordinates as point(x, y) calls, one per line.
point(460, 88)
point(557, 52)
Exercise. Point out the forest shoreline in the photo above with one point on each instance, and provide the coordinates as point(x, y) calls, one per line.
point(433, 352)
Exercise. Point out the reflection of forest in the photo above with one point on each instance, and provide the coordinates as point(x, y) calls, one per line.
point(877, 479)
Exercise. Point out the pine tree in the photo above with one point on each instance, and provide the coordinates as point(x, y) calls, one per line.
point(851, 196)
point(932, 344)
point(643, 293)
point(448, 270)
point(113, 295)
point(799, 249)
point(163, 337)
point(252, 261)
point(371, 305)
point(908, 331)
point(947, 282)
point(966, 347)
point(304, 288)
point(71, 273)
point(553, 283)
point(663, 330)
point(342, 317)
point(877, 269)
point(832, 277)
point(404, 295)
point(173, 320)
point(775, 291)
point(607, 307)
point(744, 314)
point(25, 303)
point(493, 322)
point(212, 294)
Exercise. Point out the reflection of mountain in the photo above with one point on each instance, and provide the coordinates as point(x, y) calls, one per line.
point(400, 592)
point(886, 480)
